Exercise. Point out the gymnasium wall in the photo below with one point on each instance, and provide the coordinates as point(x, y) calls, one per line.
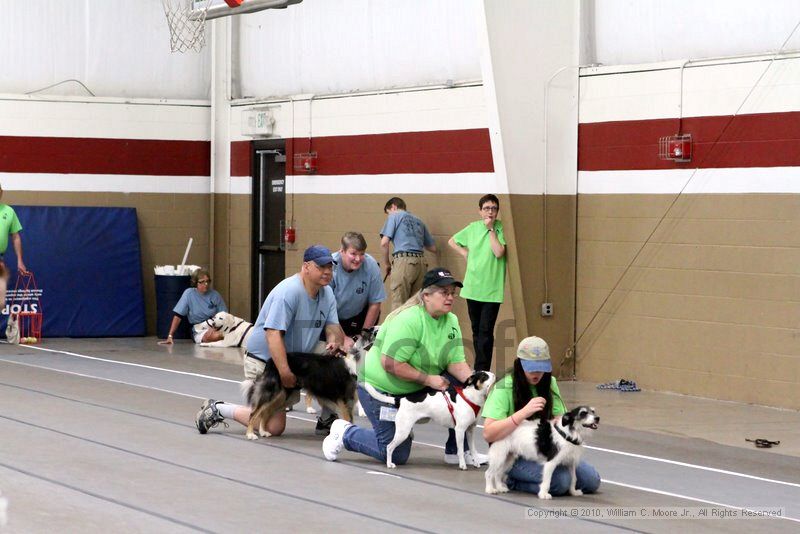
point(149, 155)
point(687, 273)
point(431, 147)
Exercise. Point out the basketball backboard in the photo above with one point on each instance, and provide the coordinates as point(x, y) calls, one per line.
point(226, 8)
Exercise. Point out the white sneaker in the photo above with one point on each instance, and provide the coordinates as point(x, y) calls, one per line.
point(334, 443)
point(452, 459)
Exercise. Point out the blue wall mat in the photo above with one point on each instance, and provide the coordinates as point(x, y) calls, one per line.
point(87, 262)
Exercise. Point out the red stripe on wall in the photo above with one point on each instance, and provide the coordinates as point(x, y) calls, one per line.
point(757, 140)
point(241, 152)
point(444, 151)
point(70, 155)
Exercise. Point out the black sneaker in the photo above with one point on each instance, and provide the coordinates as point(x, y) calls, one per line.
point(208, 417)
point(323, 427)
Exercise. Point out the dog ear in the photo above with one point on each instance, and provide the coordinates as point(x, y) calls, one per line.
point(568, 419)
point(471, 380)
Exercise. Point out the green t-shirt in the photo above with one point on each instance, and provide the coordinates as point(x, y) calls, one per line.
point(486, 274)
point(415, 338)
point(9, 224)
point(500, 403)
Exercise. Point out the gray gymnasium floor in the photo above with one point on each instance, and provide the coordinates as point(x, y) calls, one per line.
point(98, 436)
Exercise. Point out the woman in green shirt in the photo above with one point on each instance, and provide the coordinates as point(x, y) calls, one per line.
point(529, 390)
point(416, 344)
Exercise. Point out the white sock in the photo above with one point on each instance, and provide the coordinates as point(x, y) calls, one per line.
point(226, 410)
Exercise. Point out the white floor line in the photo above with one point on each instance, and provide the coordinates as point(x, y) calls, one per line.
point(692, 466)
point(102, 378)
point(611, 451)
point(75, 354)
point(693, 499)
point(695, 466)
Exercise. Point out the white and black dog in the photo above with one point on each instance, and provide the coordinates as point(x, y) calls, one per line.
point(235, 329)
point(554, 443)
point(456, 408)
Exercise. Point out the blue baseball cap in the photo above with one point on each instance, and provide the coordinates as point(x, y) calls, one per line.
point(534, 355)
point(319, 255)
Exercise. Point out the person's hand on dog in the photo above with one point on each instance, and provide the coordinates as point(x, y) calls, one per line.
point(334, 349)
point(534, 405)
point(288, 380)
point(348, 343)
point(437, 382)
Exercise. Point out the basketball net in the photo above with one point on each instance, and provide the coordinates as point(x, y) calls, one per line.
point(186, 33)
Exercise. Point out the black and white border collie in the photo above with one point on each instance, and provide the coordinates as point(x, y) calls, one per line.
point(553, 443)
point(456, 408)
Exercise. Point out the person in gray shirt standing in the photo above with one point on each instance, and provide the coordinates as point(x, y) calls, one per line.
point(410, 238)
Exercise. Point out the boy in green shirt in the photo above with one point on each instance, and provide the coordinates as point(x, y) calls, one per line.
point(483, 244)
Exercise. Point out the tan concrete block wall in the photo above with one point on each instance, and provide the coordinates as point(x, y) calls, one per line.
point(711, 303)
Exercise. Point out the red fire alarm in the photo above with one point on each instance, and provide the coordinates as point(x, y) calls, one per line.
point(677, 148)
point(289, 235)
point(305, 162)
point(233, 3)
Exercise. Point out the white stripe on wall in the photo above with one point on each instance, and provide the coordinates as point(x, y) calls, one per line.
point(434, 184)
point(103, 183)
point(704, 181)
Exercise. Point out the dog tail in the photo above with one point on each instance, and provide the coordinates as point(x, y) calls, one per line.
point(377, 395)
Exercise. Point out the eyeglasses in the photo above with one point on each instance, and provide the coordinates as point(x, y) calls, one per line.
point(448, 292)
point(207, 281)
point(490, 208)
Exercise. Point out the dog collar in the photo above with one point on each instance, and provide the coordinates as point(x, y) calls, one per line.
point(574, 441)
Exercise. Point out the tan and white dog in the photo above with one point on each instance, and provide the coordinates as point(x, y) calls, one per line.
point(235, 329)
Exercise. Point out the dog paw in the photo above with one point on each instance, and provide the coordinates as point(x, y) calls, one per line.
point(311, 409)
point(576, 493)
point(390, 465)
point(263, 433)
point(462, 466)
point(502, 489)
point(491, 491)
point(545, 495)
point(251, 436)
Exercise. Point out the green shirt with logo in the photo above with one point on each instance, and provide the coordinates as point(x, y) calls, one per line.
point(486, 273)
point(500, 403)
point(415, 338)
point(9, 224)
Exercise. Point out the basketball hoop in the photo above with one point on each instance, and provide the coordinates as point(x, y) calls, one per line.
point(187, 22)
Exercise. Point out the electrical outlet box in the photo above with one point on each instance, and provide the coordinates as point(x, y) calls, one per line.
point(547, 309)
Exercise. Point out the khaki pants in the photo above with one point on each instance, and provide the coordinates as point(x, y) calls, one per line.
point(406, 278)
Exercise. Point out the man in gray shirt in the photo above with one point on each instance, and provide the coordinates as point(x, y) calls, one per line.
point(410, 238)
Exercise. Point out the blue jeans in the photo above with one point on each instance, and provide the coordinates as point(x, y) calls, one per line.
point(526, 475)
point(373, 441)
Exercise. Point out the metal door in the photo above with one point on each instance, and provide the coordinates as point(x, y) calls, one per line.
point(269, 213)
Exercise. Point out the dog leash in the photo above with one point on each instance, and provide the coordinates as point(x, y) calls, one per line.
point(762, 443)
point(460, 391)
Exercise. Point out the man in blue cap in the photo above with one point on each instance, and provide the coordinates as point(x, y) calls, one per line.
point(292, 319)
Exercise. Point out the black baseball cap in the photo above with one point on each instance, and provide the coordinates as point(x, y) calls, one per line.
point(319, 255)
point(439, 276)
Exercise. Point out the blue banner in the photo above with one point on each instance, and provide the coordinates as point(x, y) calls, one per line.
point(88, 268)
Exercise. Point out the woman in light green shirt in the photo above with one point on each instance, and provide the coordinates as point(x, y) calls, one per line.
point(529, 390)
point(416, 344)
